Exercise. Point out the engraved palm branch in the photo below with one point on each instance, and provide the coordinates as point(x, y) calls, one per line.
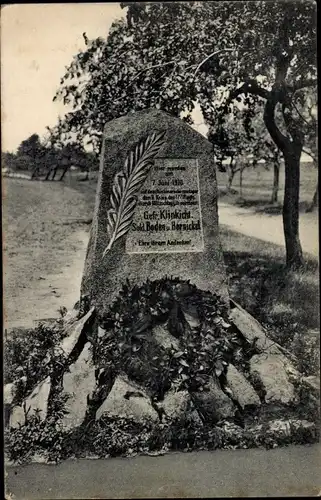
point(127, 184)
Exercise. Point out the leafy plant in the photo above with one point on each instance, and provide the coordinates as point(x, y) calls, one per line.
point(29, 356)
point(206, 346)
point(35, 437)
point(220, 56)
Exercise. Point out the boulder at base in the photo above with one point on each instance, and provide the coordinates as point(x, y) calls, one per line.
point(78, 383)
point(127, 400)
point(36, 402)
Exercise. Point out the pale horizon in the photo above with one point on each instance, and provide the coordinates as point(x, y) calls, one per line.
point(37, 42)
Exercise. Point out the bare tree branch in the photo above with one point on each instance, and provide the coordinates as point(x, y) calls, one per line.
point(293, 129)
point(300, 115)
point(269, 119)
point(209, 57)
point(312, 156)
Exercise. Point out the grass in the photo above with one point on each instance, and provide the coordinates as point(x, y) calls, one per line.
point(257, 188)
point(285, 301)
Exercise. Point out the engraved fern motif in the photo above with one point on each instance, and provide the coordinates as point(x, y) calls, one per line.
point(127, 183)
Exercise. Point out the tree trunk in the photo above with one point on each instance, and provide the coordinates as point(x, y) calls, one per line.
point(276, 182)
point(291, 149)
point(315, 200)
point(64, 173)
point(230, 176)
point(48, 174)
point(241, 182)
point(35, 173)
point(292, 154)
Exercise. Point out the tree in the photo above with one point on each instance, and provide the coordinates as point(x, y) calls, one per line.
point(8, 160)
point(308, 112)
point(267, 150)
point(31, 153)
point(232, 141)
point(177, 54)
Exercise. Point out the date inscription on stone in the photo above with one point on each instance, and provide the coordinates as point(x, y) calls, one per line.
point(168, 217)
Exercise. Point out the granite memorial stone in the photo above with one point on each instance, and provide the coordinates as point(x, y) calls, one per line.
point(156, 208)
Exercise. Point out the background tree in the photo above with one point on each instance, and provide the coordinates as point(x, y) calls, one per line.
point(177, 54)
point(308, 112)
point(30, 153)
point(8, 160)
point(233, 144)
point(265, 149)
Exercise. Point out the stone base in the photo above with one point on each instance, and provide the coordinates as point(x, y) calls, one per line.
point(254, 404)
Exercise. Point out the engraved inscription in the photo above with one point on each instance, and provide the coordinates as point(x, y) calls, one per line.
point(167, 217)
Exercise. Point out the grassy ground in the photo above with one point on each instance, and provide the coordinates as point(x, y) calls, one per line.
point(257, 188)
point(286, 302)
point(40, 238)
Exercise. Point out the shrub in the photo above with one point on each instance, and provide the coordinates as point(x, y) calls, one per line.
point(128, 343)
point(29, 356)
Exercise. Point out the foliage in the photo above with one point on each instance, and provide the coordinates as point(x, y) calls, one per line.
point(24, 163)
point(262, 54)
point(243, 146)
point(206, 346)
point(29, 356)
point(35, 437)
point(178, 54)
point(279, 298)
point(32, 148)
point(7, 160)
point(115, 436)
point(128, 343)
point(49, 153)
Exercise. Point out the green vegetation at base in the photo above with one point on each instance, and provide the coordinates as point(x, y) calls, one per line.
point(114, 437)
point(126, 344)
point(283, 300)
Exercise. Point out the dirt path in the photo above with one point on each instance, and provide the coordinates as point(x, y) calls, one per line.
point(290, 471)
point(46, 293)
point(44, 246)
point(269, 227)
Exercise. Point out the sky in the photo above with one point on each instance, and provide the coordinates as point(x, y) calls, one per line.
point(37, 42)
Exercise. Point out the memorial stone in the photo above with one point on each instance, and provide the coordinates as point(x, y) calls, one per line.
point(156, 208)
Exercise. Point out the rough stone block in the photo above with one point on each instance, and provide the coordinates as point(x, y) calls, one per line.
point(74, 333)
point(37, 401)
point(249, 327)
point(9, 392)
point(213, 404)
point(79, 383)
point(270, 372)
point(127, 400)
point(174, 225)
point(242, 390)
